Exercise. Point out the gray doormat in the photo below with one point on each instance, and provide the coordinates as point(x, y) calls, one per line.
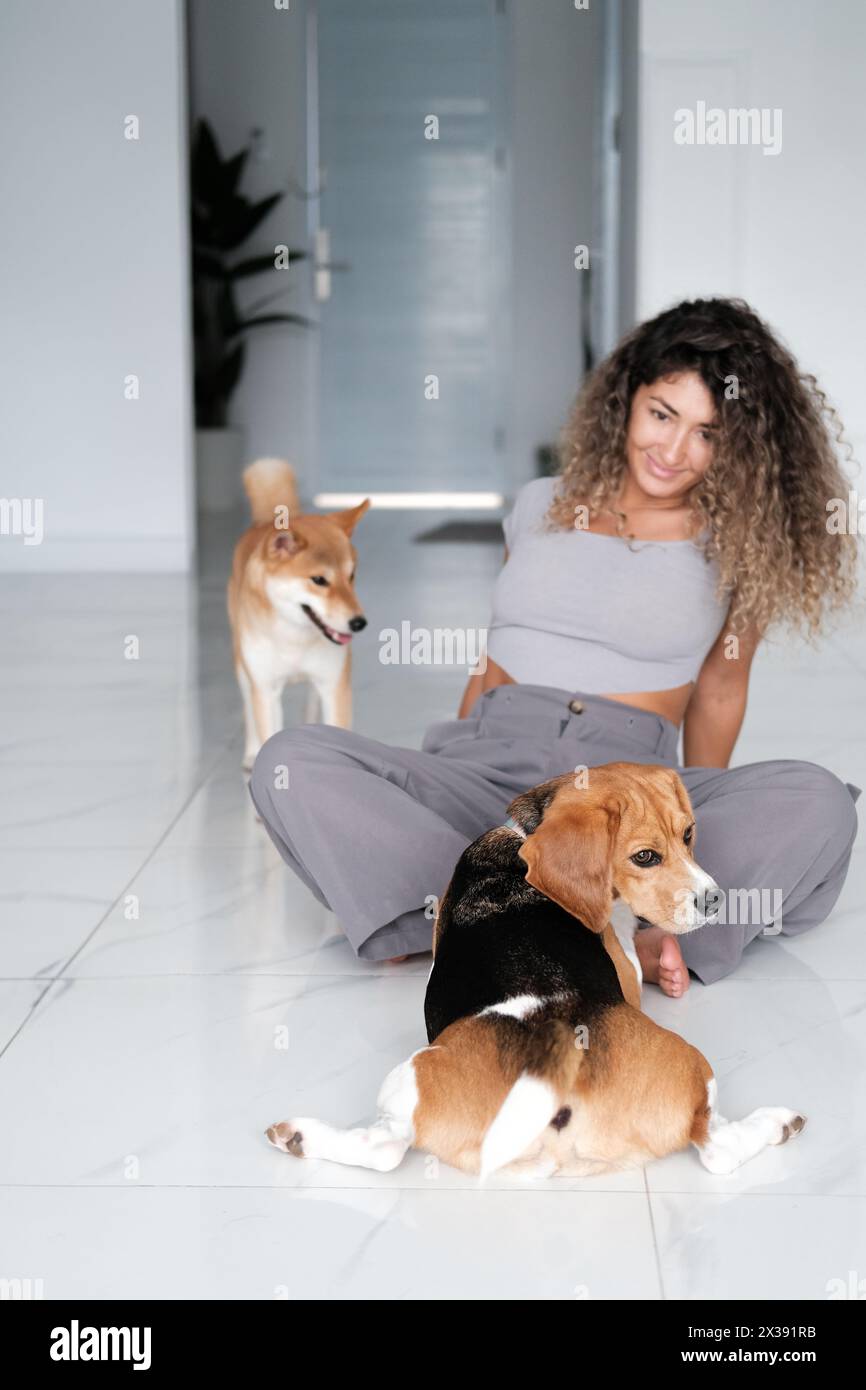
point(487, 531)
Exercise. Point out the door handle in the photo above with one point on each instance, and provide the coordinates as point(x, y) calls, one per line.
point(323, 266)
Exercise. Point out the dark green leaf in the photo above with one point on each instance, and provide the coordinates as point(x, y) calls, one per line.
point(244, 324)
point(208, 265)
point(226, 311)
point(232, 171)
point(242, 217)
point(206, 167)
point(228, 374)
point(256, 265)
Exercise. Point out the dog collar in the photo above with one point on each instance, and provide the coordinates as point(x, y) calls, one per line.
point(511, 824)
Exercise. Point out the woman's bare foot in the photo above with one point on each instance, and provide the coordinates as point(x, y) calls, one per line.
point(661, 960)
point(396, 960)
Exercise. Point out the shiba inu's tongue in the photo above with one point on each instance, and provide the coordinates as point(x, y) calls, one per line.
point(341, 638)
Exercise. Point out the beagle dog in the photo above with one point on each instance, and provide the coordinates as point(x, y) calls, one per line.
point(540, 1061)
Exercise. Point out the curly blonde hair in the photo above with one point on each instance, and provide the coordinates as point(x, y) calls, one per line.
point(763, 499)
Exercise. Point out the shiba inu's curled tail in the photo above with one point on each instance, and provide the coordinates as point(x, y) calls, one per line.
point(271, 483)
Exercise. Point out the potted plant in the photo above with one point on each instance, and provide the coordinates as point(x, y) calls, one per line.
point(222, 220)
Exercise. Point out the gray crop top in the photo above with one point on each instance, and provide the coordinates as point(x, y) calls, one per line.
point(582, 611)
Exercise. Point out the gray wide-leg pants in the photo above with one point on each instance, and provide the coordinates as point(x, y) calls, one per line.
point(375, 832)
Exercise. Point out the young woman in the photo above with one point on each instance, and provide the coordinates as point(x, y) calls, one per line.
point(690, 516)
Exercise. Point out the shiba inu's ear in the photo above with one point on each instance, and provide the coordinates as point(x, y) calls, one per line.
point(284, 543)
point(348, 519)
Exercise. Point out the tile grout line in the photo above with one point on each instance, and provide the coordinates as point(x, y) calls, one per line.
point(656, 1250)
point(223, 748)
point(655, 1243)
point(216, 974)
point(339, 974)
point(310, 1187)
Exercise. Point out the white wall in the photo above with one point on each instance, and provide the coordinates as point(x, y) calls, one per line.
point(248, 69)
point(93, 283)
point(783, 231)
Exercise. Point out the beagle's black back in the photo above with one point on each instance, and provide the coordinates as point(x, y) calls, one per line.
point(498, 938)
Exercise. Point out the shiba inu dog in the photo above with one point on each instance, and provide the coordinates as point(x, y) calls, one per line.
point(292, 605)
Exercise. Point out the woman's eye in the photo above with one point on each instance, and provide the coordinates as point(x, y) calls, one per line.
point(318, 579)
point(646, 858)
point(660, 415)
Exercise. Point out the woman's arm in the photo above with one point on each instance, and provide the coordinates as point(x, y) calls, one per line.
point(476, 684)
point(718, 702)
point(470, 695)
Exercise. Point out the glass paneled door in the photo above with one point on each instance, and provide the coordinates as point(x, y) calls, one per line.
point(411, 230)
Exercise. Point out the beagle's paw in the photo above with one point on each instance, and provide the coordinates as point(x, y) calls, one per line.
point(288, 1137)
point(789, 1123)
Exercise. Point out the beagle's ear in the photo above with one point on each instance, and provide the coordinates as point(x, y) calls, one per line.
point(680, 792)
point(527, 809)
point(568, 857)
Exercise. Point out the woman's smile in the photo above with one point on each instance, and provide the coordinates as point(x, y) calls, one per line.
point(660, 469)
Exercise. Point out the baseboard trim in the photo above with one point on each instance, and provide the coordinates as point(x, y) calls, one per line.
point(83, 555)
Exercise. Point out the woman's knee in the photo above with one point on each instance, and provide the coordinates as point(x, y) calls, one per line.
point(830, 800)
point(308, 746)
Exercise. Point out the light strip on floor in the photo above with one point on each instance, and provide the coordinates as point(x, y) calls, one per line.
point(463, 500)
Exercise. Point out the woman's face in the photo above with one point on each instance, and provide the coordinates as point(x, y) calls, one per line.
point(669, 442)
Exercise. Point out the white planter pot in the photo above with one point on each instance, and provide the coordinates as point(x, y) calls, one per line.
point(219, 459)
